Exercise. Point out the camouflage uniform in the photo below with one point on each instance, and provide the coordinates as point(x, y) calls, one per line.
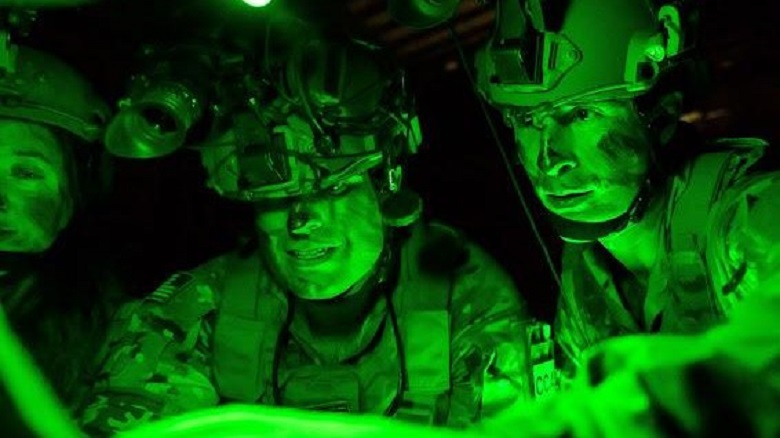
point(718, 241)
point(657, 386)
point(722, 383)
point(162, 358)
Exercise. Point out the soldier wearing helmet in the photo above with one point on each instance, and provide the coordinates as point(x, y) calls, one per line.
point(51, 291)
point(346, 302)
point(663, 230)
point(46, 109)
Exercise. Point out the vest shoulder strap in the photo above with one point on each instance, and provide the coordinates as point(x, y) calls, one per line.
point(251, 318)
point(694, 194)
point(186, 297)
point(248, 325)
point(423, 302)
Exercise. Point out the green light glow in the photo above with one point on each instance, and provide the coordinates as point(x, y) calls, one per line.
point(257, 3)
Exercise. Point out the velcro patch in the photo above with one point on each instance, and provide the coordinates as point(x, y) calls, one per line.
point(168, 289)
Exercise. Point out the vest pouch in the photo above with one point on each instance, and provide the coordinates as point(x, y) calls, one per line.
point(322, 388)
point(237, 368)
point(427, 335)
point(541, 354)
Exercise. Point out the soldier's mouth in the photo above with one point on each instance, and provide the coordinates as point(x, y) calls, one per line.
point(311, 256)
point(567, 200)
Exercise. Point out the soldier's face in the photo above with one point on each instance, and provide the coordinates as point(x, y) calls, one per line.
point(35, 203)
point(322, 245)
point(586, 161)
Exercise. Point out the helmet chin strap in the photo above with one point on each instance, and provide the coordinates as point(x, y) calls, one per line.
point(581, 232)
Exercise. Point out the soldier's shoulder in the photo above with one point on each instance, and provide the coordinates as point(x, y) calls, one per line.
point(474, 269)
point(734, 177)
point(441, 249)
point(755, 184)
point(750, 200)
point(754, 143)
point(190, 291)
point(726, 161)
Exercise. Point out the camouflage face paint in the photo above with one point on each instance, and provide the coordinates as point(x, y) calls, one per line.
point(626, 152)
point(35, 200)
point(587, 161)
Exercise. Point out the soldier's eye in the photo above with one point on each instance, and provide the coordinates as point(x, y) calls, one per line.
point(27, 173)
point(581, 114)
point(337, 189)
point(340, 189)
point(526, 120)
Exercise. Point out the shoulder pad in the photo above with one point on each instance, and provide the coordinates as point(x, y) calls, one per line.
point(175, 283)
point(193, 289)
point(442, 250)
point(741, 142)
point(185, 297)
point(210, 275)
point(747, 151)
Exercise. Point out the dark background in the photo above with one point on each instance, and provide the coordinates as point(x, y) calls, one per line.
point(162, 219)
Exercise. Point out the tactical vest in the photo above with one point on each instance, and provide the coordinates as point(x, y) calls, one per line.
point(253, 312)
point(691, 284)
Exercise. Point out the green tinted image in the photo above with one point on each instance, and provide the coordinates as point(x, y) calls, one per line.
point(346, 304)
point(345, 300)
point(38, 205)
point(664, 231)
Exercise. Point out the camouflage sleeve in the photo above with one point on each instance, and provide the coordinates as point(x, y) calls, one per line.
point(751, 247)
point(489, 366)
point(725, 382)
point(157, 362)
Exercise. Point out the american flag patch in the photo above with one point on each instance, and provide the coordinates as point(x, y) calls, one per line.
point(173, 284)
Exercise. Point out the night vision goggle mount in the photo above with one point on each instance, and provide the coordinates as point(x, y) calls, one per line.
point(548, 52)
point(527, 49)
point(264, 125)
point(334, 109)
